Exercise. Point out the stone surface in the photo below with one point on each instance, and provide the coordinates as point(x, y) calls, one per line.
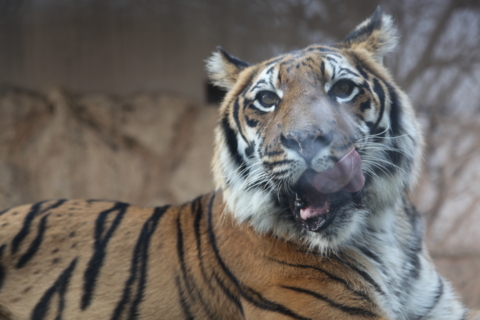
point(147, 149)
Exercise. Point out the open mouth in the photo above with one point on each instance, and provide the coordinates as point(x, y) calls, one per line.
point(318, 196)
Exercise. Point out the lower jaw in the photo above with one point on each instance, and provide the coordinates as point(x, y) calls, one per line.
point(315, 224)
point(322, 222)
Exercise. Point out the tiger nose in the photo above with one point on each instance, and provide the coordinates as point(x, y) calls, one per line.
point(307, 144)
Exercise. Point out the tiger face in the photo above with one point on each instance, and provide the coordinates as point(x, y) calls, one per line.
point(312, 142)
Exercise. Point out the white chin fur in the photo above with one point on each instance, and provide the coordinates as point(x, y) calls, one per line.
point(257, 208)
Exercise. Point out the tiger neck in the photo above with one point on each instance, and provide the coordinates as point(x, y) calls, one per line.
point(389, 254)
point(403, 276)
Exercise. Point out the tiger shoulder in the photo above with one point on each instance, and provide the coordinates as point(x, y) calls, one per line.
point(315, 153)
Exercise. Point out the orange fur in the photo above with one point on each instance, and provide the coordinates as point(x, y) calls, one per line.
point(209, 255)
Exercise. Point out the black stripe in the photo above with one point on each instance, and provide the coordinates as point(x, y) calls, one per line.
point(349, 71)
point(250, 84)
point(322, 68)
point(249, 294)
point(262, 81)
point(365, 105)
point(59, 287)
point(138, 268)
point(189, 281)
point(259, 301)
point(280, 174)
point(331, 59)
point(252, 123)
point(416, 222)
point(183, 302)
point(377, 88)
point(102, 237)
point(274, 153)
point(375, 257)
point(395, 112)
point(362, 71)
point(35, 245)
point(395, 156)
point(361, 273)
point(369, 253)
point(34, 211)
point(276, 163)
point(436, 299)
point(232, 145)
point(192, 289)
point(198, 209)
point(228, 293)
point(181, 259)
point(331, 276)
point(250, 149)
point(236, 109)
point(354, 311)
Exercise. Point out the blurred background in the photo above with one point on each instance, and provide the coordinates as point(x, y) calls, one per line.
point(109, 99)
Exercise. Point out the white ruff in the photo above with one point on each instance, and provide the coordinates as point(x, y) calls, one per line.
point(381, 227)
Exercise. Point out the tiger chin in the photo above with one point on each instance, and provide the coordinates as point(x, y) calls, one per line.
point(315, 153)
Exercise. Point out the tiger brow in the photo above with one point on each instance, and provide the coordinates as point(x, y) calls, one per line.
point(260, 82)
point(348, 71)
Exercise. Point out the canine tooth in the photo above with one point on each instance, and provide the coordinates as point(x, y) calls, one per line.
point(298, 201)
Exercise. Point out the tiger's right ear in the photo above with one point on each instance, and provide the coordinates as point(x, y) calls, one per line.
point(223, 69)
point(377, 35)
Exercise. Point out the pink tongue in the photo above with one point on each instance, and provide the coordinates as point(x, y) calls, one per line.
point(346, 174)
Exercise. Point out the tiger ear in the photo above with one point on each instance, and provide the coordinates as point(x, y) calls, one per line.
point(223, 69)
point(377, 35)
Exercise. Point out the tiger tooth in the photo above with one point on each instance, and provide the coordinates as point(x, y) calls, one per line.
point(298, 201)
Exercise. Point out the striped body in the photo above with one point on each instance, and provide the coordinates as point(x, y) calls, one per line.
point(109, 260)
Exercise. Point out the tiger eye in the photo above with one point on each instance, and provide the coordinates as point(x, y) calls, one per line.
point(342, 88)
point(267, 98)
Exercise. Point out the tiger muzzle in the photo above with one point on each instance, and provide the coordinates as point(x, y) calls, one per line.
point(308, 145)
point(319, 195)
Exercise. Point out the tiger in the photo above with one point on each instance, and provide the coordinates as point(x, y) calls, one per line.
point(316, 152)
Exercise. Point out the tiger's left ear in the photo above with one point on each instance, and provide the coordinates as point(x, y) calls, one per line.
point(223, 69)
point(377, 35)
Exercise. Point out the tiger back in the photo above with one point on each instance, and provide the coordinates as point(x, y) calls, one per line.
point(315, 153)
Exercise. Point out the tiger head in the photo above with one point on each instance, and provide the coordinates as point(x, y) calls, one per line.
point(317, 144)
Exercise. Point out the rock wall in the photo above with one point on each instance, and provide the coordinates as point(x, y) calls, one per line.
point(152, 149)
point(146, 149)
